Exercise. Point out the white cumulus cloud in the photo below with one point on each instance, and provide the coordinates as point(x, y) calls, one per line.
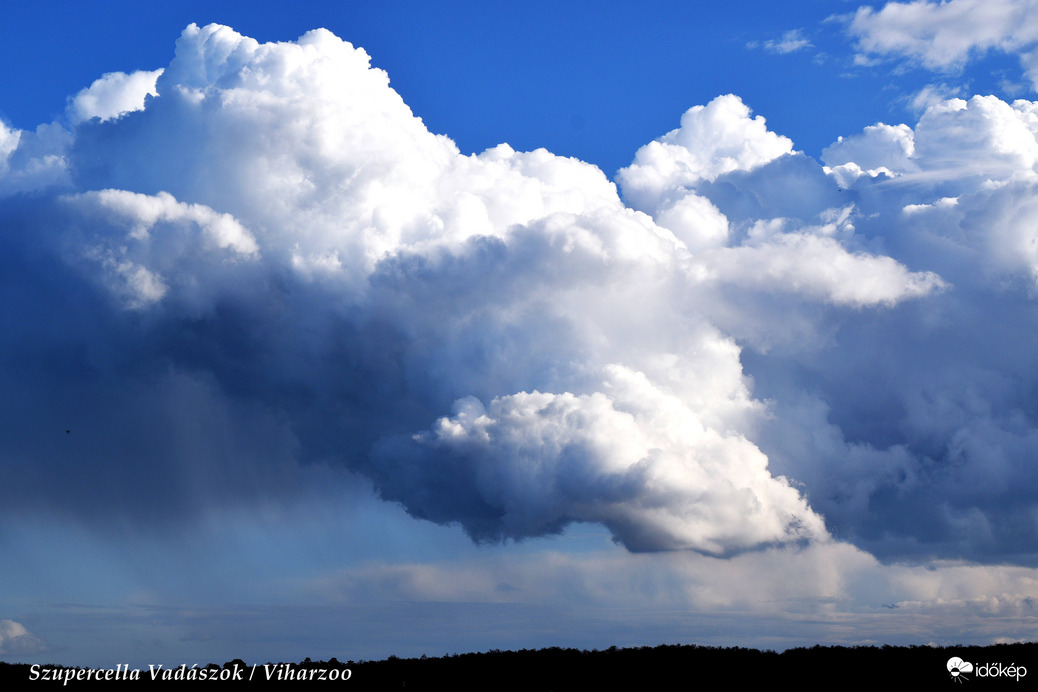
point(112, 95)
point(944, 35)
point(15, 640)
point(271, 262)
point(713, 139)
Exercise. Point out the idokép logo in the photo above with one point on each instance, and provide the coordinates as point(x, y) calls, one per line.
point(959, 669)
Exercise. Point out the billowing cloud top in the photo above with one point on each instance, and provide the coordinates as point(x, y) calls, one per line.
point(259, 259)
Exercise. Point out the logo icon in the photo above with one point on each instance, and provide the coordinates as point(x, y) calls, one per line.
point(958, 668)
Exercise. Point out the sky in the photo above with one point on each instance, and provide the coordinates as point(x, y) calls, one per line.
point(336, 330)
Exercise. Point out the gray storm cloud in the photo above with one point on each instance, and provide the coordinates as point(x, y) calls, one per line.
point(258, 259)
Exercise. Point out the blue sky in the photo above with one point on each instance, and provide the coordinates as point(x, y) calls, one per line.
point(680, 323)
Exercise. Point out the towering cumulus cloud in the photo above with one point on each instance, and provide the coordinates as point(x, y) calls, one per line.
point(258, 261)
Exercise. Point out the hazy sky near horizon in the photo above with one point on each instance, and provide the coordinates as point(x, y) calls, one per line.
point(329, 330)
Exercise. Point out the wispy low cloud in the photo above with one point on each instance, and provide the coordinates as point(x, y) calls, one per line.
point(830, 592)
point(791, 42)
point(931, 95)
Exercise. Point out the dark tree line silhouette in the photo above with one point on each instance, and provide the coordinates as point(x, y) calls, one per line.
point(660, 667)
